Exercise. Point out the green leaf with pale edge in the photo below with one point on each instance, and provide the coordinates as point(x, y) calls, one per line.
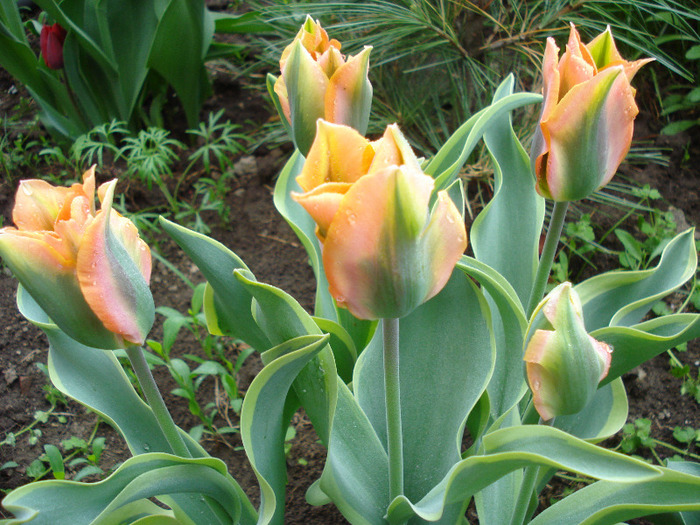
point(636, 344)
point(434, 406)
point(608, 502)
point(604, 415)
point(232, 302)
point(515, 213)
point(515, 448)
point(445, 165)
point(263, 424)
point(623, 298)
point(344, 351)
point(95, 379)
point(121, 497)
point(281, 318)
point(507, 385)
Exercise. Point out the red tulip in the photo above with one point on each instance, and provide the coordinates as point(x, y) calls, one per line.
point(51, 43)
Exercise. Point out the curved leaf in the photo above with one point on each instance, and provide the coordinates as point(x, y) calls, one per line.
point(114, 500)
point(634, 345)
point(606, 502)
point(263, 424)
point(514, 448)
point(232, 301)
point(623, 298)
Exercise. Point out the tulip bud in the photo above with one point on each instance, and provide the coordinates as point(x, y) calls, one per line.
point(563, 363)
point(317, 81)
point(385, 251)
point(51, 44)
point(88, 270)
point(587, 118)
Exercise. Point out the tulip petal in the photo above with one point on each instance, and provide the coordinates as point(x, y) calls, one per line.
point(350, 90)
point(46, 269)
point(339, 154)
point(588, 134)
point(378, 253)
point(322, 204)
point(37, 205)
point(113, 270)
point(306, 85)
point(576, 65)
point(393, 150)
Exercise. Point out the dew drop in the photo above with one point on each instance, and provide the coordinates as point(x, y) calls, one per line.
point(27, 189)
point(340, 299)
point(450, 219)
point(146, 447)
point(536, 385)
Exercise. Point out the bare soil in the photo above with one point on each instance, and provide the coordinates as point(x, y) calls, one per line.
point(260, 237)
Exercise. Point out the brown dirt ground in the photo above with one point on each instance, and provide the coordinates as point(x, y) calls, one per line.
point(258, 234)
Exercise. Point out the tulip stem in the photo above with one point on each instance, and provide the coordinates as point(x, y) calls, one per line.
point(155, 401)
point(392, 392)
point(556, 223)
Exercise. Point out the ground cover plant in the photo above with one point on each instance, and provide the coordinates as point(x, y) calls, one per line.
point(347, 336)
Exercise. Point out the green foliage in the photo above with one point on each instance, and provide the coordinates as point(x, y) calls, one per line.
point(217, 141)
point(683, 100)
point(121, 60)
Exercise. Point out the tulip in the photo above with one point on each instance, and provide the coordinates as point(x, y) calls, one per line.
point(88, 270)
point(51, 43)
point(385, 251)
point(317, 81)
point(563, 363)
point(587, 119)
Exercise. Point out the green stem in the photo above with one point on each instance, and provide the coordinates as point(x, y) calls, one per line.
point(155, 401)
point(393, 405)
point(556, 223)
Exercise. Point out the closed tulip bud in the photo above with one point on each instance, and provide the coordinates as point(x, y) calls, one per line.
point(587, 119)
point(51, 44)
point(385, 251)
point(317, 81)
point(563, 363)
point(87, 269)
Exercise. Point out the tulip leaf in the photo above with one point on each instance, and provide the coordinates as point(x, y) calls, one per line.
point(95, 379)
point(263, 424)
point(344, 352)
point(450, 333)
point(606, 502)
point(624, 298)
point(515, 213)
point(282, 318)
point(518, 447)
point(181, 41)
point(636, 344)
point(356, 474)
point(123, 495)
point(447, 162)
point(232, 302)
point(507, 385)
point(602, 417)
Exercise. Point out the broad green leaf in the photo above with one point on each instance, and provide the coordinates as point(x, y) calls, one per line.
point(515, 448)
point(263, 424)
point(95, 379)
point(636, 344)
point(356, 474)
point(608, 502)
point(446, 360)
point(11, 22)
point(120, 497)
point(281, 318)
point(232, 311)
point(446, 164)
point(515, 213)
point(507, 385)
point(344, 352)
point(249, 22)
point(182, 38)
point(623, 298)
point(604, 415)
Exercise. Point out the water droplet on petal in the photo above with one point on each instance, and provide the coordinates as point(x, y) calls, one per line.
point(450, 219)
point(27, 189)
point(536, 385)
